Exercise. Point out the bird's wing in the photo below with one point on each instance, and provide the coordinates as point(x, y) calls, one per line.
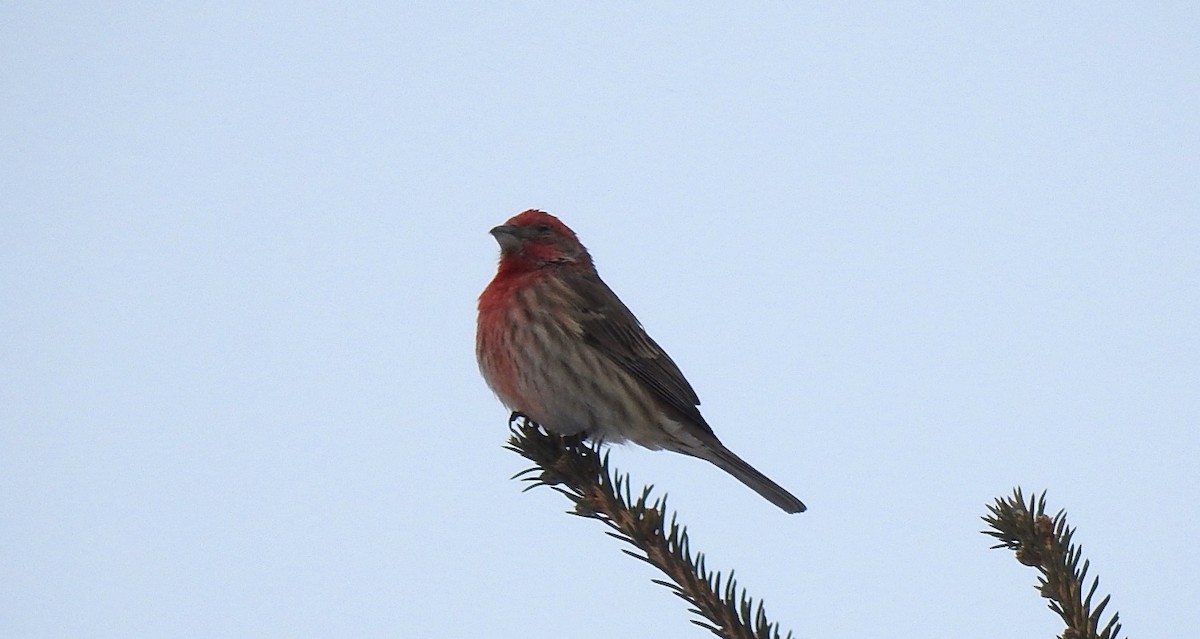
point(611, 327)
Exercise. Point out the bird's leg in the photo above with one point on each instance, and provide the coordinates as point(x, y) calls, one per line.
point(518, 416)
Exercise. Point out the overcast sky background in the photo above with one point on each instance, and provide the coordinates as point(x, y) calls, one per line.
point(910, 256)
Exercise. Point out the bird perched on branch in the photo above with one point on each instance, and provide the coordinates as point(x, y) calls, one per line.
point(557, 345)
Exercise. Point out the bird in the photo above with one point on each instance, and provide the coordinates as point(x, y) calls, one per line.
point(556, 344)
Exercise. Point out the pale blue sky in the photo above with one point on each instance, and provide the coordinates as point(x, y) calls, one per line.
point(909, 255)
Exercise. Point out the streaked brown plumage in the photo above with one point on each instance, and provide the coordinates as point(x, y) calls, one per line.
point(555, 343)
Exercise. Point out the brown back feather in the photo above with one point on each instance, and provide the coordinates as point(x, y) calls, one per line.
point(612, 328)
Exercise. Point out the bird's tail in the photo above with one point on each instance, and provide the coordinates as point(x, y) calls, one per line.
point(724, 459)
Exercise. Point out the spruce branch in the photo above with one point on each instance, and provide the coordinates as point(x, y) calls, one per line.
point(1046, 544)
point(578, 471)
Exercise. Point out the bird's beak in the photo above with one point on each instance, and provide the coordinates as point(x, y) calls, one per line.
point(508, 236)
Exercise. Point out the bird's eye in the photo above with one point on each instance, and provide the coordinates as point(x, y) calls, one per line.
point(542, 228)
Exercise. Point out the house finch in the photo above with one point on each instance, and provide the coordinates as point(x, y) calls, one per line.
point(556, 344)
